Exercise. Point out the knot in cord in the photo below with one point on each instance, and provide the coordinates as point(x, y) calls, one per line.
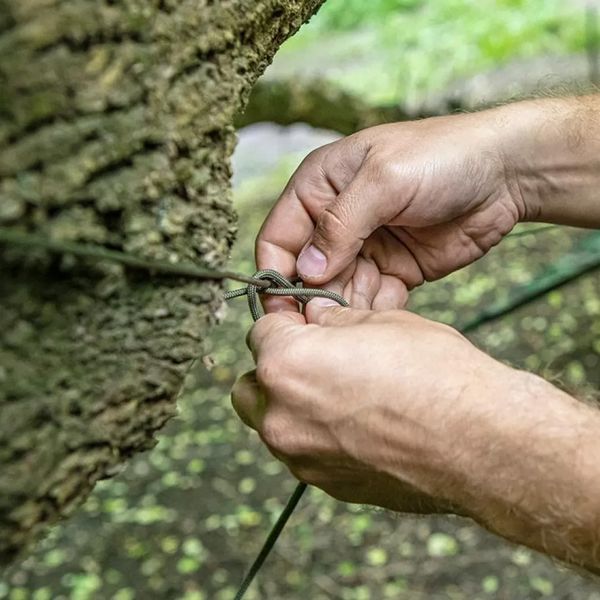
point(279, 286)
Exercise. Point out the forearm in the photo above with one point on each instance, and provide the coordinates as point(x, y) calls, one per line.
point(536, 479)
point(551, 149)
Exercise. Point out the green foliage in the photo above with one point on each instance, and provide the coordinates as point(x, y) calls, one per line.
point(490, 584)
point(348, 14)
point(441, 544)
point(542, 585)
point(377, 557)
point(390, 50)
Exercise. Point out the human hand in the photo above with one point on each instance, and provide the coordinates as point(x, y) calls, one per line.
point(372, 407)
point(390, 409)
point(381, 211)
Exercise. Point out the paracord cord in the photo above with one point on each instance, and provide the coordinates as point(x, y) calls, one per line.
point(279, 286)
point(32, 241)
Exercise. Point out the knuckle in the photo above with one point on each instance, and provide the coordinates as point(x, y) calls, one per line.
point(261, 328)
point(379, 168)
point(313, 155)
point(273, 433)
point(260, 336)
point(388, 168)
point(451, 331)
point(276, 366)
point(249, 338)
point(266, 371)
point(314, 158)
point(332, 223)
point(236, 393)
point(277, 435)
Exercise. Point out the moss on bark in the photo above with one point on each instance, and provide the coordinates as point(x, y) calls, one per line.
point(115, 128)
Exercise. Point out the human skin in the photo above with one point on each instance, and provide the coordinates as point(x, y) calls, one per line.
point(389, 409)
point(386, 408)
point(395, 205)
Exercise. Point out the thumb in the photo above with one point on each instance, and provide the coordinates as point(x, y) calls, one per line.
point(328, 313)
point(340, 231)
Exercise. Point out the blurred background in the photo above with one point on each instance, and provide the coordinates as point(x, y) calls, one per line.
point(184, 520)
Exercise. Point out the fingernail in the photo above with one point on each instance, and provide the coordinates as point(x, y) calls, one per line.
point(323, 302)
point(311, 263)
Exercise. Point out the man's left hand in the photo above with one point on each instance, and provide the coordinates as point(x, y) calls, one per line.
point(372, 407)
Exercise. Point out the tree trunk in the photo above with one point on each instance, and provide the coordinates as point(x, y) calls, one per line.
point(115, 129)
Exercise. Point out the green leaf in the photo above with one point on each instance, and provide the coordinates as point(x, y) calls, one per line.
point(541, 585)
point(441, 544)
point(377, 557)
point(490, 584)
point(187, 565)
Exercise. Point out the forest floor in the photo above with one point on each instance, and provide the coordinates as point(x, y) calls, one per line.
point(184, 520)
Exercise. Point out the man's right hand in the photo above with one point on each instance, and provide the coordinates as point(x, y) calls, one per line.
point(381, 211)
point(392, 206)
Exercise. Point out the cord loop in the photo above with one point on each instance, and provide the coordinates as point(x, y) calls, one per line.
point(279, 286)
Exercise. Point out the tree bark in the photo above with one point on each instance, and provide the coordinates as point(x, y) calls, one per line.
point(116, 129)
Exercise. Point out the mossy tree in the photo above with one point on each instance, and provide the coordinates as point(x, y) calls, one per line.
point(115, 129)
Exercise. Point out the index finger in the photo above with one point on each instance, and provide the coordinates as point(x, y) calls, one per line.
point(291, 223)
point(285, 231)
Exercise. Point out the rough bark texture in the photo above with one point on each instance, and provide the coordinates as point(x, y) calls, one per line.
point(115, 128)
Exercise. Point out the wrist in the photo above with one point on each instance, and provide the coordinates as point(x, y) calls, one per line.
point(551, 157)
point(537, 479)
point(444, 455)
